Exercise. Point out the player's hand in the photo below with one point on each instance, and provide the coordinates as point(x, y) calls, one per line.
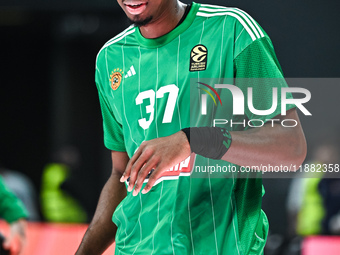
point(159, 154)
point(17, 237)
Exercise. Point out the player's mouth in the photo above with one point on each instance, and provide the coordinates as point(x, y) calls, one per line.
point(135, 7)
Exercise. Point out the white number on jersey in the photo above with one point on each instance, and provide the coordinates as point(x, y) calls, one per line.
point(172, 89)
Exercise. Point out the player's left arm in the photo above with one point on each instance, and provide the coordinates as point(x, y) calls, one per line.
point(271, 144)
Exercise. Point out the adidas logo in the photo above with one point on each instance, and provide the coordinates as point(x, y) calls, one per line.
point(131, 72)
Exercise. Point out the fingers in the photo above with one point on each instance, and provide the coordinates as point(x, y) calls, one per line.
point(155, 175)
point(159, 154)
point(138, 167)
point(127, 171)
point(140, 170)
point(142, 174)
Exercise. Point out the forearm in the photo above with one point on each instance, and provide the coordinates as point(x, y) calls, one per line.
point(101, 232)
point(267, 146)
point(271, 144)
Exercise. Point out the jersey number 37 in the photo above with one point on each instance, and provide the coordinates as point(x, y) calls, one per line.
point(150, 94)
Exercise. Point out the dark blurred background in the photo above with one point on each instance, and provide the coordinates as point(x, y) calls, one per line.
point(49, 100)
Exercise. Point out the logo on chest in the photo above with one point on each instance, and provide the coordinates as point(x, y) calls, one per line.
point(198, 58)
point(116, 78)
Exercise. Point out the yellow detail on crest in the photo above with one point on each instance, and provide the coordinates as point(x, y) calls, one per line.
point(116, 78)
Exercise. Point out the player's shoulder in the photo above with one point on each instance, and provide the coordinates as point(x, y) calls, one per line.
point(236, 16)
point(209, 10)
point(117, 40)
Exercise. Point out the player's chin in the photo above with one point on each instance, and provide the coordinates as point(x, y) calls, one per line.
point(139, 22)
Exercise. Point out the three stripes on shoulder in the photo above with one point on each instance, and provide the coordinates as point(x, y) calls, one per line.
point(244, 18)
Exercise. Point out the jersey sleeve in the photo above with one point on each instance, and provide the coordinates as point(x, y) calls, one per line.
point(11, 207)
point(113, 130)
point(256, 66)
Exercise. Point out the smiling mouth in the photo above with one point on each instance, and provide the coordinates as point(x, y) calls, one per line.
point(135, 8)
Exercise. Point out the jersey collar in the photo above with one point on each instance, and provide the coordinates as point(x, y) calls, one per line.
point(160, 41)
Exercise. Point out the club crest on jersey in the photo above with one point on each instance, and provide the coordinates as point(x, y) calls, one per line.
point(198, 58)
point(116, 78)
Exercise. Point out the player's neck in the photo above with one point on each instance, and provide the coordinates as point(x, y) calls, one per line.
point(166, 22)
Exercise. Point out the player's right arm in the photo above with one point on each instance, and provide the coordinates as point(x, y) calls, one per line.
point(101, 231)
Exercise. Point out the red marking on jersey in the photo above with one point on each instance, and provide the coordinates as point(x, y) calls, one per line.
point(183, 167)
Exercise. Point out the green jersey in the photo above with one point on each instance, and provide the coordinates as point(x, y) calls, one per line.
point(148, 88)
point(11, 207)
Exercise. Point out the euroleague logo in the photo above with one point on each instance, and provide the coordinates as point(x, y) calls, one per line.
point(198, 58)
